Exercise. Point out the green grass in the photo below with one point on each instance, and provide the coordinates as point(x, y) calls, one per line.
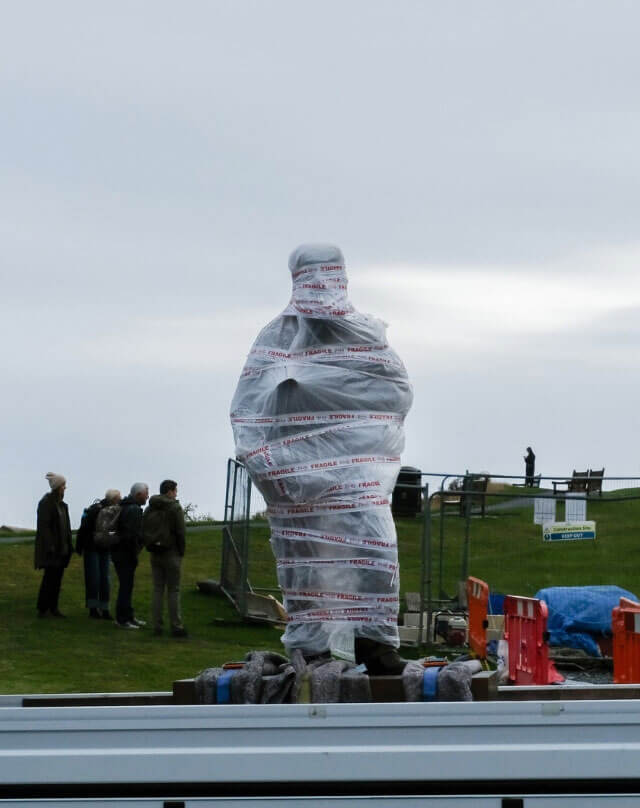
point(83, 655)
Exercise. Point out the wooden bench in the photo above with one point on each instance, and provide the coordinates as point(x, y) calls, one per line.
point(594, 483)
point(474, 490)
point(577, 483)
point(582, 482)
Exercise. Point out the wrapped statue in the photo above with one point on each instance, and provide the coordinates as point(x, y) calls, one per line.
point(318, 421)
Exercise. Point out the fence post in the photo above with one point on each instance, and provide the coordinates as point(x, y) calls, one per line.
point(468, 499)
point(425, 583)
point(245, 547)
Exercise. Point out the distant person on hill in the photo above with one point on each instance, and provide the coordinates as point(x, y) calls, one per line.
point(53, 544)
point(164, 537)
point(96, 559)
point(529, 467)
point(125, 554)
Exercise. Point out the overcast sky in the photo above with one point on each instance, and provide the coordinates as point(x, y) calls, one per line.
point(477, 162)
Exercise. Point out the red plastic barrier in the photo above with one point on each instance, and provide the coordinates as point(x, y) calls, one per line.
point(625, 622)
point(478, 603)
point(525, 630)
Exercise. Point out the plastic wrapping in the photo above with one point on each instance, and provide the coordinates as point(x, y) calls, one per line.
point(318, 421)
point(580, 614)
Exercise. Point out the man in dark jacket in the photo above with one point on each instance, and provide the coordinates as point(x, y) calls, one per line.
point(125, 554)
point(53, 544)
point(164, 538)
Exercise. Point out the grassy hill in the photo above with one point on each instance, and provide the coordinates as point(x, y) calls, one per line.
point(83, 655)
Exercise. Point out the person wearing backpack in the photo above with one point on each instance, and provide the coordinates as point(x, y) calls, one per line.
point(94, 539)
point(164, 537)
point(124, 554)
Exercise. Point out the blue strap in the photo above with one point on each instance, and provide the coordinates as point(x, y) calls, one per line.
point(223, 687)
point(430, 683)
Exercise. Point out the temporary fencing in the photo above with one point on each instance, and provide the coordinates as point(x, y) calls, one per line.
point(525, 630)
point(478, 605)
point(454, 543)
point(483, 510)
point(626, 642)
point(234, 568)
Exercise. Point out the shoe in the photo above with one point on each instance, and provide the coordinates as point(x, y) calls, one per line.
point(128, 624)
point(58, 613)
point(179, 632)
point(137, 622)
point(380, 659)
point(95, 614)
point(105, 614)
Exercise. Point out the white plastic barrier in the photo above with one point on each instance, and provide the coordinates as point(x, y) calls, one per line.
point(318, 420)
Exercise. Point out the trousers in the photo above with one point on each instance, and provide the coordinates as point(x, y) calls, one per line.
point(125, 567)
point(96, 579)
point(50, 589)
point(165, 574)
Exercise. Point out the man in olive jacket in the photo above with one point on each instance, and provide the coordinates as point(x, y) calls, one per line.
point(164, 537)
point(53, 544)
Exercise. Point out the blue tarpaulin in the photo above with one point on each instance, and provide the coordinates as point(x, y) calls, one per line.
point(579, 614)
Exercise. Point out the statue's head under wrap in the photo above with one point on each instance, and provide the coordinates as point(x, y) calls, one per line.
point(319, 281)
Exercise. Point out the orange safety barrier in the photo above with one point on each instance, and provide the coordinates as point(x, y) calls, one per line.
point(625, 622)
point(525, 630)
point(478, 604)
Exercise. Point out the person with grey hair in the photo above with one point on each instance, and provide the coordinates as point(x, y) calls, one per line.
point(96, 559)
point(125, 554)
point(53, 544)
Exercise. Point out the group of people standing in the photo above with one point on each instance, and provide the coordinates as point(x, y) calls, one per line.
point(114, 529)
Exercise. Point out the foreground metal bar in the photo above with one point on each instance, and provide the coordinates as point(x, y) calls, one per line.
point(349, 743)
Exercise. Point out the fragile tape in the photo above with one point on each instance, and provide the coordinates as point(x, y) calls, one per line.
point(366, 598)
point(326, 464)
point(332, 430)
point(360, 353)
point(305, 534)
point(325, 508)
point(318, 311)
point(325, 271)
point(359, 563)
point(326, 417)
point(354, 615)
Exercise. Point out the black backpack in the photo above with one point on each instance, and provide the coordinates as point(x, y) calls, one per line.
point(87, 525)
point(156, 532)
point(106, 535)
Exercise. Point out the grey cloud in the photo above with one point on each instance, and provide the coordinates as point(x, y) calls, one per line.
point(159, 164)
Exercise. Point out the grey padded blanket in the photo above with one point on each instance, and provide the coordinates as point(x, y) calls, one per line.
point(266, 678)
point(454, 681)
point(269, 678)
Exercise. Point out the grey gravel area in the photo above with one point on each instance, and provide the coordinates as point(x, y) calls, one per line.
point(600, 677)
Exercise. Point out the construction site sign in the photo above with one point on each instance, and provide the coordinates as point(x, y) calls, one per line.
point(568, 531)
